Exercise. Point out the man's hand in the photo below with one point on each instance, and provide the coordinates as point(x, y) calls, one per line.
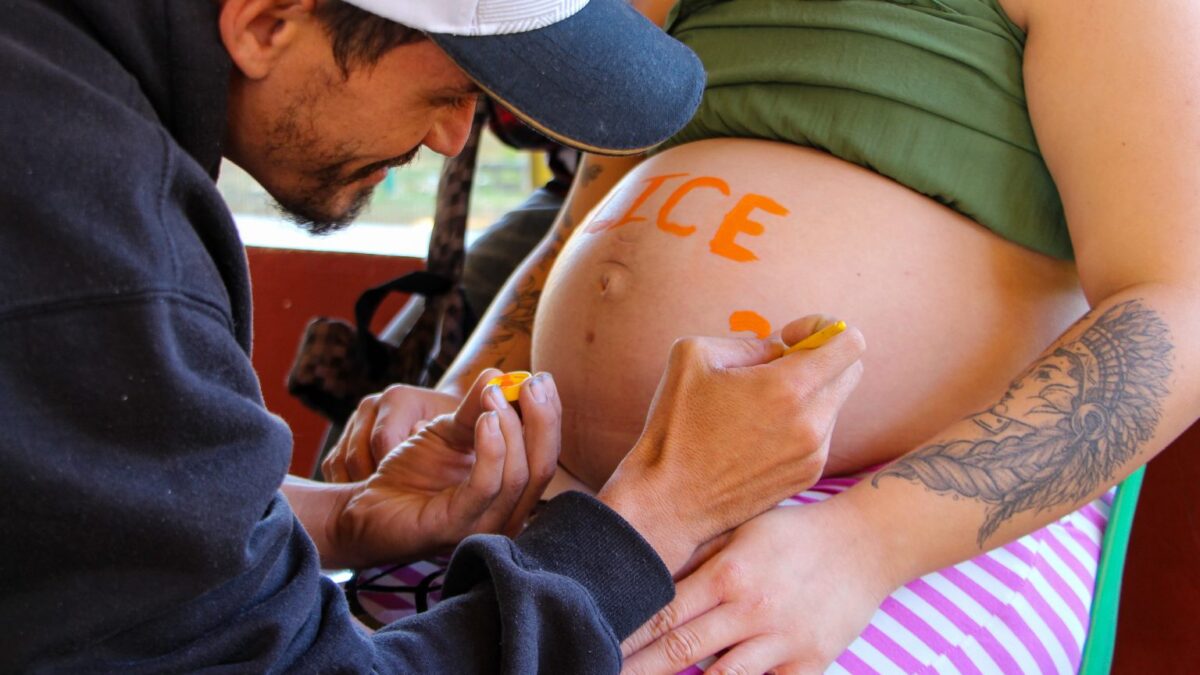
point(480, 469)
point(738, 599)
point(381, 422)
point(732, 430)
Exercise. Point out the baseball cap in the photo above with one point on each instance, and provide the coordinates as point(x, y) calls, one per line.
point(591, 74)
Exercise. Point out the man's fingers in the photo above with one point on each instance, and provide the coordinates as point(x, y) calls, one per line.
point(472, 405)
point(723, 352)
point(825, 363)
point(541, 412)
point(745, 352)
point(458, 428)
point(690, 642)
point(351, 460)
point(359, 462)
point(388, 428)
point(516, 466)
point(418, 426)
point(500, 473)
point(473, 497)
point(801, 328)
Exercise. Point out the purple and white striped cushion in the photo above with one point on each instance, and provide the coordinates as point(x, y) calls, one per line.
point(1021, 608)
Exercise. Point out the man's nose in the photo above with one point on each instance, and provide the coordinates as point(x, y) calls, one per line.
point(449, 132)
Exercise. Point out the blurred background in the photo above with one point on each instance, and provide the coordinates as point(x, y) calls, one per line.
point(400, 216)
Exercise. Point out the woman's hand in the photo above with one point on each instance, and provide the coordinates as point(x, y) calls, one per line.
point(381, 422)
point(787, 592)
point(481, 469)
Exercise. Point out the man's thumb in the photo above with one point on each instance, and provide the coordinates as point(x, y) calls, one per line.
point(742, 352)
point(801, 328)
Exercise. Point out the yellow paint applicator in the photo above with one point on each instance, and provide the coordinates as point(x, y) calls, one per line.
point(818, 338)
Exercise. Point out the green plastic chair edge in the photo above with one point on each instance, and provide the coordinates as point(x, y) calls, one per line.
point(1102, 632)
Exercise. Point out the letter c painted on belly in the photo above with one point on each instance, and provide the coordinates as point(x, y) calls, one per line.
point(738, 221)
point(664, 222)
point(652, 185)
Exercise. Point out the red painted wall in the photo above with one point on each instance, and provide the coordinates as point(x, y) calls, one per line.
point(1160, 596)
point(290, 288)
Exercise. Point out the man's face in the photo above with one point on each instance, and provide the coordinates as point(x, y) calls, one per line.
point(320, 142)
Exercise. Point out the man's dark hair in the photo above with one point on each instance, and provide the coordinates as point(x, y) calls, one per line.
point(359, 37)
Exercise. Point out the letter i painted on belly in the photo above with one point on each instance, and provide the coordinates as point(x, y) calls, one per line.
point(652, 186)
point(738, 221)
point(664, 221)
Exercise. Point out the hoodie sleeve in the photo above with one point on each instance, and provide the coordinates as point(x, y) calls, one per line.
point(558, 599)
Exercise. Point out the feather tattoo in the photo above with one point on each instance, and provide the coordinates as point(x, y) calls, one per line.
point(1066, 425)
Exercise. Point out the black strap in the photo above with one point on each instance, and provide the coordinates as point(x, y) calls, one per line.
point(422, 282)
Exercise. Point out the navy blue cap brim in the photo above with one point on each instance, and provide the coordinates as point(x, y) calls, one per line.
point(605, 80)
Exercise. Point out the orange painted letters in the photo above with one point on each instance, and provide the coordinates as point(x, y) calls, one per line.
point(664, 222)
point(652, 185)
point(738, 221)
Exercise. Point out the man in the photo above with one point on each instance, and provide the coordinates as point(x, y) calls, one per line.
point(143, 522)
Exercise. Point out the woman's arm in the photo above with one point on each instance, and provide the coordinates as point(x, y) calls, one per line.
point(503, 337)
point(1115, 101)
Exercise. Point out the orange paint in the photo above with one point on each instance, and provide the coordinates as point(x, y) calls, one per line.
point(737, 221)
point(652, 186)
point(747, 320)
point(664, 222)
point(510, 384)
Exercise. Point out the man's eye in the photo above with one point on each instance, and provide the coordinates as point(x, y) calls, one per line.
point(464, 102)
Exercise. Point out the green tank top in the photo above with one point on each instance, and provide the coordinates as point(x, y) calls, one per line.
point(926, 92)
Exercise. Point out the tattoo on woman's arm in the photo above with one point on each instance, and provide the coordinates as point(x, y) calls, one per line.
point(590, 173)
point(1065, 427)
point(517, 318)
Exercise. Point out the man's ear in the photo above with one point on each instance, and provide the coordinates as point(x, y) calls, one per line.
point(256, 33)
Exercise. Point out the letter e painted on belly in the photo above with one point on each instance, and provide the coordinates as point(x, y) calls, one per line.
point(664, 221)
point(652, 186)
point(738, 221)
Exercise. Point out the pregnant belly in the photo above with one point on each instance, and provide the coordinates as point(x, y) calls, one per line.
point(736, 238)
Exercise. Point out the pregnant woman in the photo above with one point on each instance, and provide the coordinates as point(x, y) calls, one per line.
point(1002, 195)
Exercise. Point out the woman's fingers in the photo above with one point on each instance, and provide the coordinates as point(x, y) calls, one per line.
point(691, 642)
point(759, 655)
point(541, 414)
point(694, 596)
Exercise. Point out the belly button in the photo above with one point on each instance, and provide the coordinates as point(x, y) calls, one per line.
point(614, 279)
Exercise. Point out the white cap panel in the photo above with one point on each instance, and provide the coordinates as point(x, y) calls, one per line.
point(473, 17)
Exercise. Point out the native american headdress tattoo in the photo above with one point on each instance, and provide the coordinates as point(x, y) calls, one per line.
point(1095, 400)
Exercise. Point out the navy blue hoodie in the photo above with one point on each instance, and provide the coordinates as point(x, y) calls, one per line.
point(141, 525)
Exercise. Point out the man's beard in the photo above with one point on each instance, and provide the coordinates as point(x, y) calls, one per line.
point(314, 207)
point(311, 211)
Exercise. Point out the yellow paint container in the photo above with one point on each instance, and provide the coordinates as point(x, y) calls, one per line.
point(510, 384)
